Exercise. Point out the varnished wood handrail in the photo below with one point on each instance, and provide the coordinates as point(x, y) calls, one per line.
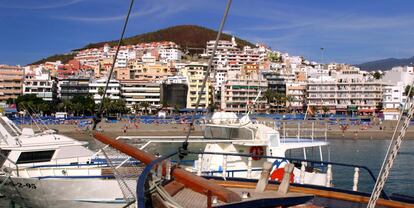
point(191, 181)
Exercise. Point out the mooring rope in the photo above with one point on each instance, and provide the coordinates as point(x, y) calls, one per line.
point(392, 151)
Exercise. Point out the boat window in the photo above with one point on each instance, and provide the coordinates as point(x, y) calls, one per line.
point(216, 132)
point(274, 140)
point(39, 156)
point(3, 156)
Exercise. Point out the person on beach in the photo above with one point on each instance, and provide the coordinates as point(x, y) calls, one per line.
point(125, 128)
point(344, 128)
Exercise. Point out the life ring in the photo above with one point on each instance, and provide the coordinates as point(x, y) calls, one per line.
point(257, 151)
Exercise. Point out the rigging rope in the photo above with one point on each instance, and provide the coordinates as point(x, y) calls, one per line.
point(392, 151)
point(183, 150)
point(98, 116)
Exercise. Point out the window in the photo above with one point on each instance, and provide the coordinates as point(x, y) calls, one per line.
point(39, 156)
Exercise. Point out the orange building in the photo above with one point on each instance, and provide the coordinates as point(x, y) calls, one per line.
point(11, 82)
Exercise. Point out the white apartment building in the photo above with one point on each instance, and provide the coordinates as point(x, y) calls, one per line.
point(240, 90)
point(396, 75)
point(123, 57)
point(345, 94)
point(97, 86)
point(394, 96)
point(168, 51)
point(176, 80)
point(148, 58)
point(297, 90)
point(39, 82)
point(219, 74)
point(393, 100)
point(318, 71)
point(229, 58)
point(223, 46)
point(170, 54)
point(90, 57)
point(139, 91)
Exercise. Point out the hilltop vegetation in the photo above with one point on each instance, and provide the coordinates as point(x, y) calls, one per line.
point(190, 37)
point(57, 57)
point(187, 36)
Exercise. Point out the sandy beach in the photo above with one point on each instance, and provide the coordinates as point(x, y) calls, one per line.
point(383, 131)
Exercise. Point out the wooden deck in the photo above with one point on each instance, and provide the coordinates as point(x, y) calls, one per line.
point(189, 198)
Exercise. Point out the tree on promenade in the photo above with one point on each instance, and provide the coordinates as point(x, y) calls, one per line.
point(136, 107)
point(289, 100)
point(145, 105)
point(101, 91)
point(325, 110)
point(32, 104)
point(269, 95)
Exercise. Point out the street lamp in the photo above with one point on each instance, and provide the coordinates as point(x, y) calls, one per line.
point(321, 65)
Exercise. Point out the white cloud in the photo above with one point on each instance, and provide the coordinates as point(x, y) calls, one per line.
point(53, 5)
point(161, 9)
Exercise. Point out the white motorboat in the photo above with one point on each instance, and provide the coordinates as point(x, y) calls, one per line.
point(226, 133)
point(52, 170)
point(245, 137)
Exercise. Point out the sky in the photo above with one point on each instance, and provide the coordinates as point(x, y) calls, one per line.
point(350, 31)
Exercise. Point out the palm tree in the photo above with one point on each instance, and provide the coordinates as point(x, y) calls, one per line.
point(164, 104)
point(145, 105)
point(60, 106)
point(101, 91)
point(289, 100)
point(313, 109)
point(325, 109)
point(106, 106)
point(136, 107)
point(176, 109)
point(67, 105)
point(269, 95)
point(78, 108)
point(278, 97)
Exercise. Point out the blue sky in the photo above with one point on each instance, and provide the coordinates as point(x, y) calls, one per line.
point(351, 31)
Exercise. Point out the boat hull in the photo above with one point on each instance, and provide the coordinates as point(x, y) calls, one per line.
point(64, 192)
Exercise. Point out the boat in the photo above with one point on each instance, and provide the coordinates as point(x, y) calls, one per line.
point(225, 132)
point(47, 169)
point(164, 183)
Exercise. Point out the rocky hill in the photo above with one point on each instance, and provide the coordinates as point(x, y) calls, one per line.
point(386, 64)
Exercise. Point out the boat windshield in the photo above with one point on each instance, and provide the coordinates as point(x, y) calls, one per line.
point(229, 133)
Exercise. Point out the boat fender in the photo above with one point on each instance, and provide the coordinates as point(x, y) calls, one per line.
point(257, 151)
point(279, 170)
